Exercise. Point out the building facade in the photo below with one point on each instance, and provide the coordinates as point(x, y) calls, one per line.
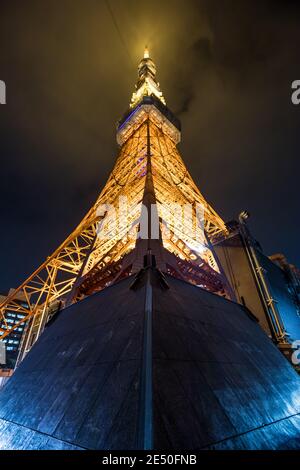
point(267, 286)
point(13, 320)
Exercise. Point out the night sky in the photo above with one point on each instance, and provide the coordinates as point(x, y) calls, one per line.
point(225, 68)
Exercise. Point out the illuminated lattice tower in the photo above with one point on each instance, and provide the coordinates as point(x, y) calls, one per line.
point(150, 211)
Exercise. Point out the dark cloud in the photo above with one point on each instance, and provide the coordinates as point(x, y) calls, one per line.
point(225, 66)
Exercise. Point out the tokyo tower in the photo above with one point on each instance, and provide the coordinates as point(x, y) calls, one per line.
point(149, 205)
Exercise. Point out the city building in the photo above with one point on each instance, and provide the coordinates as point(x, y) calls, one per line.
point(292, 278)
point(268, 286)
point(14, 320)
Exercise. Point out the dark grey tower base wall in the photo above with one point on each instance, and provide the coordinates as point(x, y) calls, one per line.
point(218, 381)
point(80, 381)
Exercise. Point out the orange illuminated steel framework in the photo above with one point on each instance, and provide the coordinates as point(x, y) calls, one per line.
point(148, 172)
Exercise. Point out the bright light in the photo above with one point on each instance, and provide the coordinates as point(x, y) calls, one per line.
point(197, 247)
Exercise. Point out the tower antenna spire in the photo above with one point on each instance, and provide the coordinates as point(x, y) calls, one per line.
point(146, 53)
point(147, 83)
